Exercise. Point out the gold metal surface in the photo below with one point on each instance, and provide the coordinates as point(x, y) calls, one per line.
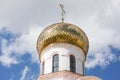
point(62, 33)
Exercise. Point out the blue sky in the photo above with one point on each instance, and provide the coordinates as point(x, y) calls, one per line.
point(21, 22)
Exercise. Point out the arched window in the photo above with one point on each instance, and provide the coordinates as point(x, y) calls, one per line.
point(72, 63)
point(55, 67)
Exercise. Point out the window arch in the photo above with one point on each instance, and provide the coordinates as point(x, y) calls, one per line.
point(55, 67)
point(72, 63)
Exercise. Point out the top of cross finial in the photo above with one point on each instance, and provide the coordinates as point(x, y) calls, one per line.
point(63, 11)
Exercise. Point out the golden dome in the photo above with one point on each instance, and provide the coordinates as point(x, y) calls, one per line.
point(63, 33)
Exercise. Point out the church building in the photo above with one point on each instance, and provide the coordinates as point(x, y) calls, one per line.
point(62, 49)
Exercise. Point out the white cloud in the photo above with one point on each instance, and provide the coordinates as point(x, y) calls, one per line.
point(102, 57)
point(99, 19)
point(23, 44)
point(24, 72)
point(19, 15)
point(28, 74)
point(103, 33)
point(6, 60)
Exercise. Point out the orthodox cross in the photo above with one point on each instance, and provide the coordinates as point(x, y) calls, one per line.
point(63, 11)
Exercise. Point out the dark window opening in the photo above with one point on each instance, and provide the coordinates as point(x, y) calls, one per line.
point(72, 64)
point(55, 67)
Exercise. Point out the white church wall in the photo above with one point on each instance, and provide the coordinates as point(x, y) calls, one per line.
point(64, 50)
point(64, 62)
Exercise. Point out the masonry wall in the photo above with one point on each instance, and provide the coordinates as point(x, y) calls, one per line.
point(64, 50)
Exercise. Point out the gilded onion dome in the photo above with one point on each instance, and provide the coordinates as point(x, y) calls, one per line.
point(63, 33)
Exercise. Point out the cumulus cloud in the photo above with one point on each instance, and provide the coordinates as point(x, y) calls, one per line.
point(6, 60)
point(100, 58)
point(103, 34)
point(19, 15)
point(99, 19)
point(12, 49)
